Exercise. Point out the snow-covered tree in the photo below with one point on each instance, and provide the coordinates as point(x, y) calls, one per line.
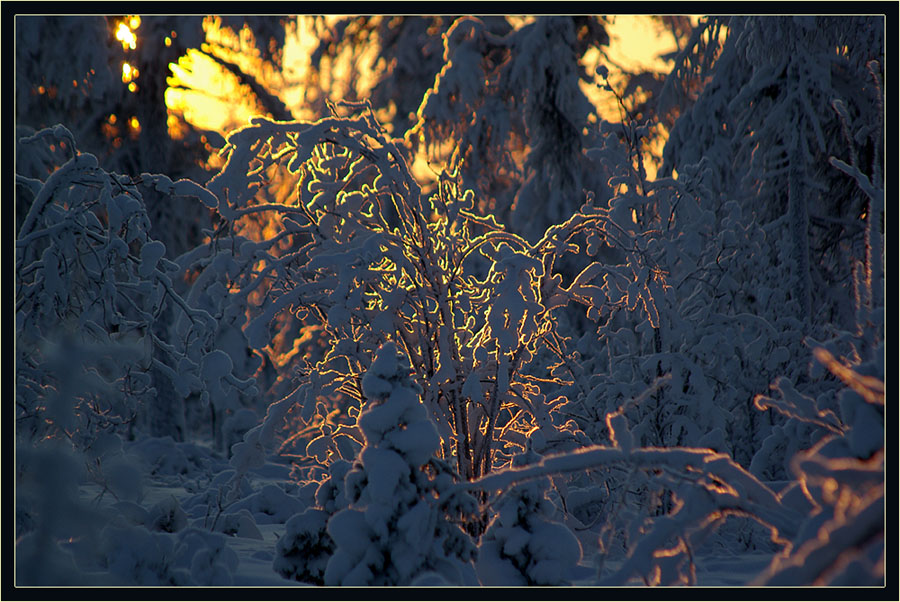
point(498, 94)
point(786, 94)
point(91, 289)
point(303, 552)
point(398, 526)
point(523, 545)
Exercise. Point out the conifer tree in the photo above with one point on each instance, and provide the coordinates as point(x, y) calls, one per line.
point(397, 526)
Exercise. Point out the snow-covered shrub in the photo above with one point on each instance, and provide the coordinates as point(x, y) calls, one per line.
point(69, 69)
point(137, 556)
point(523, 545)
point(839, 492)
point(692, 323)
point(167, 459)
point(91, 286)
point(236, 425)
point(720, 335)
point(638, 353)
point(49, 511)
point(207, 556)
point(840, 481)
point(167, 515)
point(397, 526)
point(303, 552)
point(840, 484)
point(238, 524)
point(270, 505)
point(228, 369)
point(730, 322)
point(363, 256)
point(706, 488)
point(91, 291)
point(860, 342)
point(330, 494)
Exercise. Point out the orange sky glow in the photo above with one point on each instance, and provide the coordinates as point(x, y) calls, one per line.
point(203, 95)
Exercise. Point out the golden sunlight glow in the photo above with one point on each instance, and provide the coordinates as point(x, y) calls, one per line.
point(110, 131)
point(207, 97)
point(207, 94)
point(636, 44)
point(299, 44)
point(134, 127)
point(129, 73)
point(126, 36)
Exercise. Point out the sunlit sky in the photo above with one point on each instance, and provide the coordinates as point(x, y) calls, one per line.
point(635, 44)
point(208, 100)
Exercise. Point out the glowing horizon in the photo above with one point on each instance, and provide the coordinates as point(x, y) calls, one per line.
point(205, 95)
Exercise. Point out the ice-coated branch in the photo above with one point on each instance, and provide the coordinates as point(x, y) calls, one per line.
point(80, 164)
point(748, 492)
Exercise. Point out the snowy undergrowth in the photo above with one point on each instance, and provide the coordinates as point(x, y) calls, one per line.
point(390, 482)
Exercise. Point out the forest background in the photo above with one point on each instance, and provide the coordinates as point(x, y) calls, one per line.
point(448, 301)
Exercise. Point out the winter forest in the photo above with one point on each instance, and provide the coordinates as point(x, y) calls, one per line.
point(449, 301)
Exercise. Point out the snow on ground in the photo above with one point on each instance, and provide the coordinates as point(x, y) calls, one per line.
point(182, 490)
